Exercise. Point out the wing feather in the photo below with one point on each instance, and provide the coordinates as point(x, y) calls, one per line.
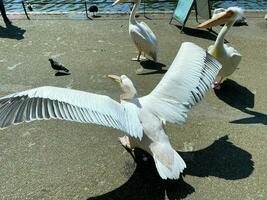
point(185, 84)
point(72, 105)
point(56, 109)
point(149, 32)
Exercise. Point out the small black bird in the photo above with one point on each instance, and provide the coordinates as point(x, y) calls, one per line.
point(93, 9)
point(29, 6)
point(59, 68)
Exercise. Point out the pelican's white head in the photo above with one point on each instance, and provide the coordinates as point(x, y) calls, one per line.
point(129, 91)
point(223, 16)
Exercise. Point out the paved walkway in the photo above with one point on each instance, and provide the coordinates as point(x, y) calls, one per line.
point(223, 140)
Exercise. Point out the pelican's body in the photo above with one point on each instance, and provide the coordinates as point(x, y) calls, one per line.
point(143, 119)
point(226, 55)
point(142, 36)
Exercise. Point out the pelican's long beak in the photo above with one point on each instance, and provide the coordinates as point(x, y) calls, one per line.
point(119, 1)
point(115, 78)
point(219, 19)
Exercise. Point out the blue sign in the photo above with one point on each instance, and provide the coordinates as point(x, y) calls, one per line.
point(182, 10)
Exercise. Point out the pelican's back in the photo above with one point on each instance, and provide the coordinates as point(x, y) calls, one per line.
point(144, 39)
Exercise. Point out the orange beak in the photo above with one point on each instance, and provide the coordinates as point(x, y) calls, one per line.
point(219, 19)
point(115, 78)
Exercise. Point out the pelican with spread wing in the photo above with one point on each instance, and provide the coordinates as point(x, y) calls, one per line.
point(143, 119)
point(226, 55)
point(142, 36)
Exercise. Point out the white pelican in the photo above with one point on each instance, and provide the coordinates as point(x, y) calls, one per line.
point(227, 56)
point(142, 36)
point(185, 84)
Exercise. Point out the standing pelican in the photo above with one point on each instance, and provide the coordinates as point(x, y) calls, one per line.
point(142, 36)
point(227, 56)
point(185, 84)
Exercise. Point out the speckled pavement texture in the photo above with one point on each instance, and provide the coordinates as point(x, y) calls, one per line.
point(223, 141)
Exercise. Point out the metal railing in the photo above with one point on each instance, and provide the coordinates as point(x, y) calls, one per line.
point(87, 3)
point(84, 3)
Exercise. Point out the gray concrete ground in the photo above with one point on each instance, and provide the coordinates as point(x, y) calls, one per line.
point(223, 140)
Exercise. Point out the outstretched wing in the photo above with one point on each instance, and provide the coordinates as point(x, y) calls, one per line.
point(72, 105)
point(187, 80)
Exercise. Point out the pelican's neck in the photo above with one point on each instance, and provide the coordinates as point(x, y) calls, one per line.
point(220, 39)
point(129, 97)
point(134, 10)
point(129, 93)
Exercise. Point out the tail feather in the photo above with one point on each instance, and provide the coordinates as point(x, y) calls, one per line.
point(168, 162)
point(154, 55)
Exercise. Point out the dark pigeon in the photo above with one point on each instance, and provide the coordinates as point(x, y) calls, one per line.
point(29, 6)
point(93, 9)
point(59, 68)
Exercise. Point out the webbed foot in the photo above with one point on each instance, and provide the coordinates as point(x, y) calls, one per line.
point(216, 86)
point(125, 142)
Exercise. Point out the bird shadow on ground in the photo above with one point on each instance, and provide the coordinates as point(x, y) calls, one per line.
point(241, 98)
point(154, 68)
point(96, 16)
point(256, 118)
point(240, 23)
point(221, 159)
point(61, 74)
point(208, 34)
point(12, 32)
point(146, 184)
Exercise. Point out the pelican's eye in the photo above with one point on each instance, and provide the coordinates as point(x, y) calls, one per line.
point(230, 13)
